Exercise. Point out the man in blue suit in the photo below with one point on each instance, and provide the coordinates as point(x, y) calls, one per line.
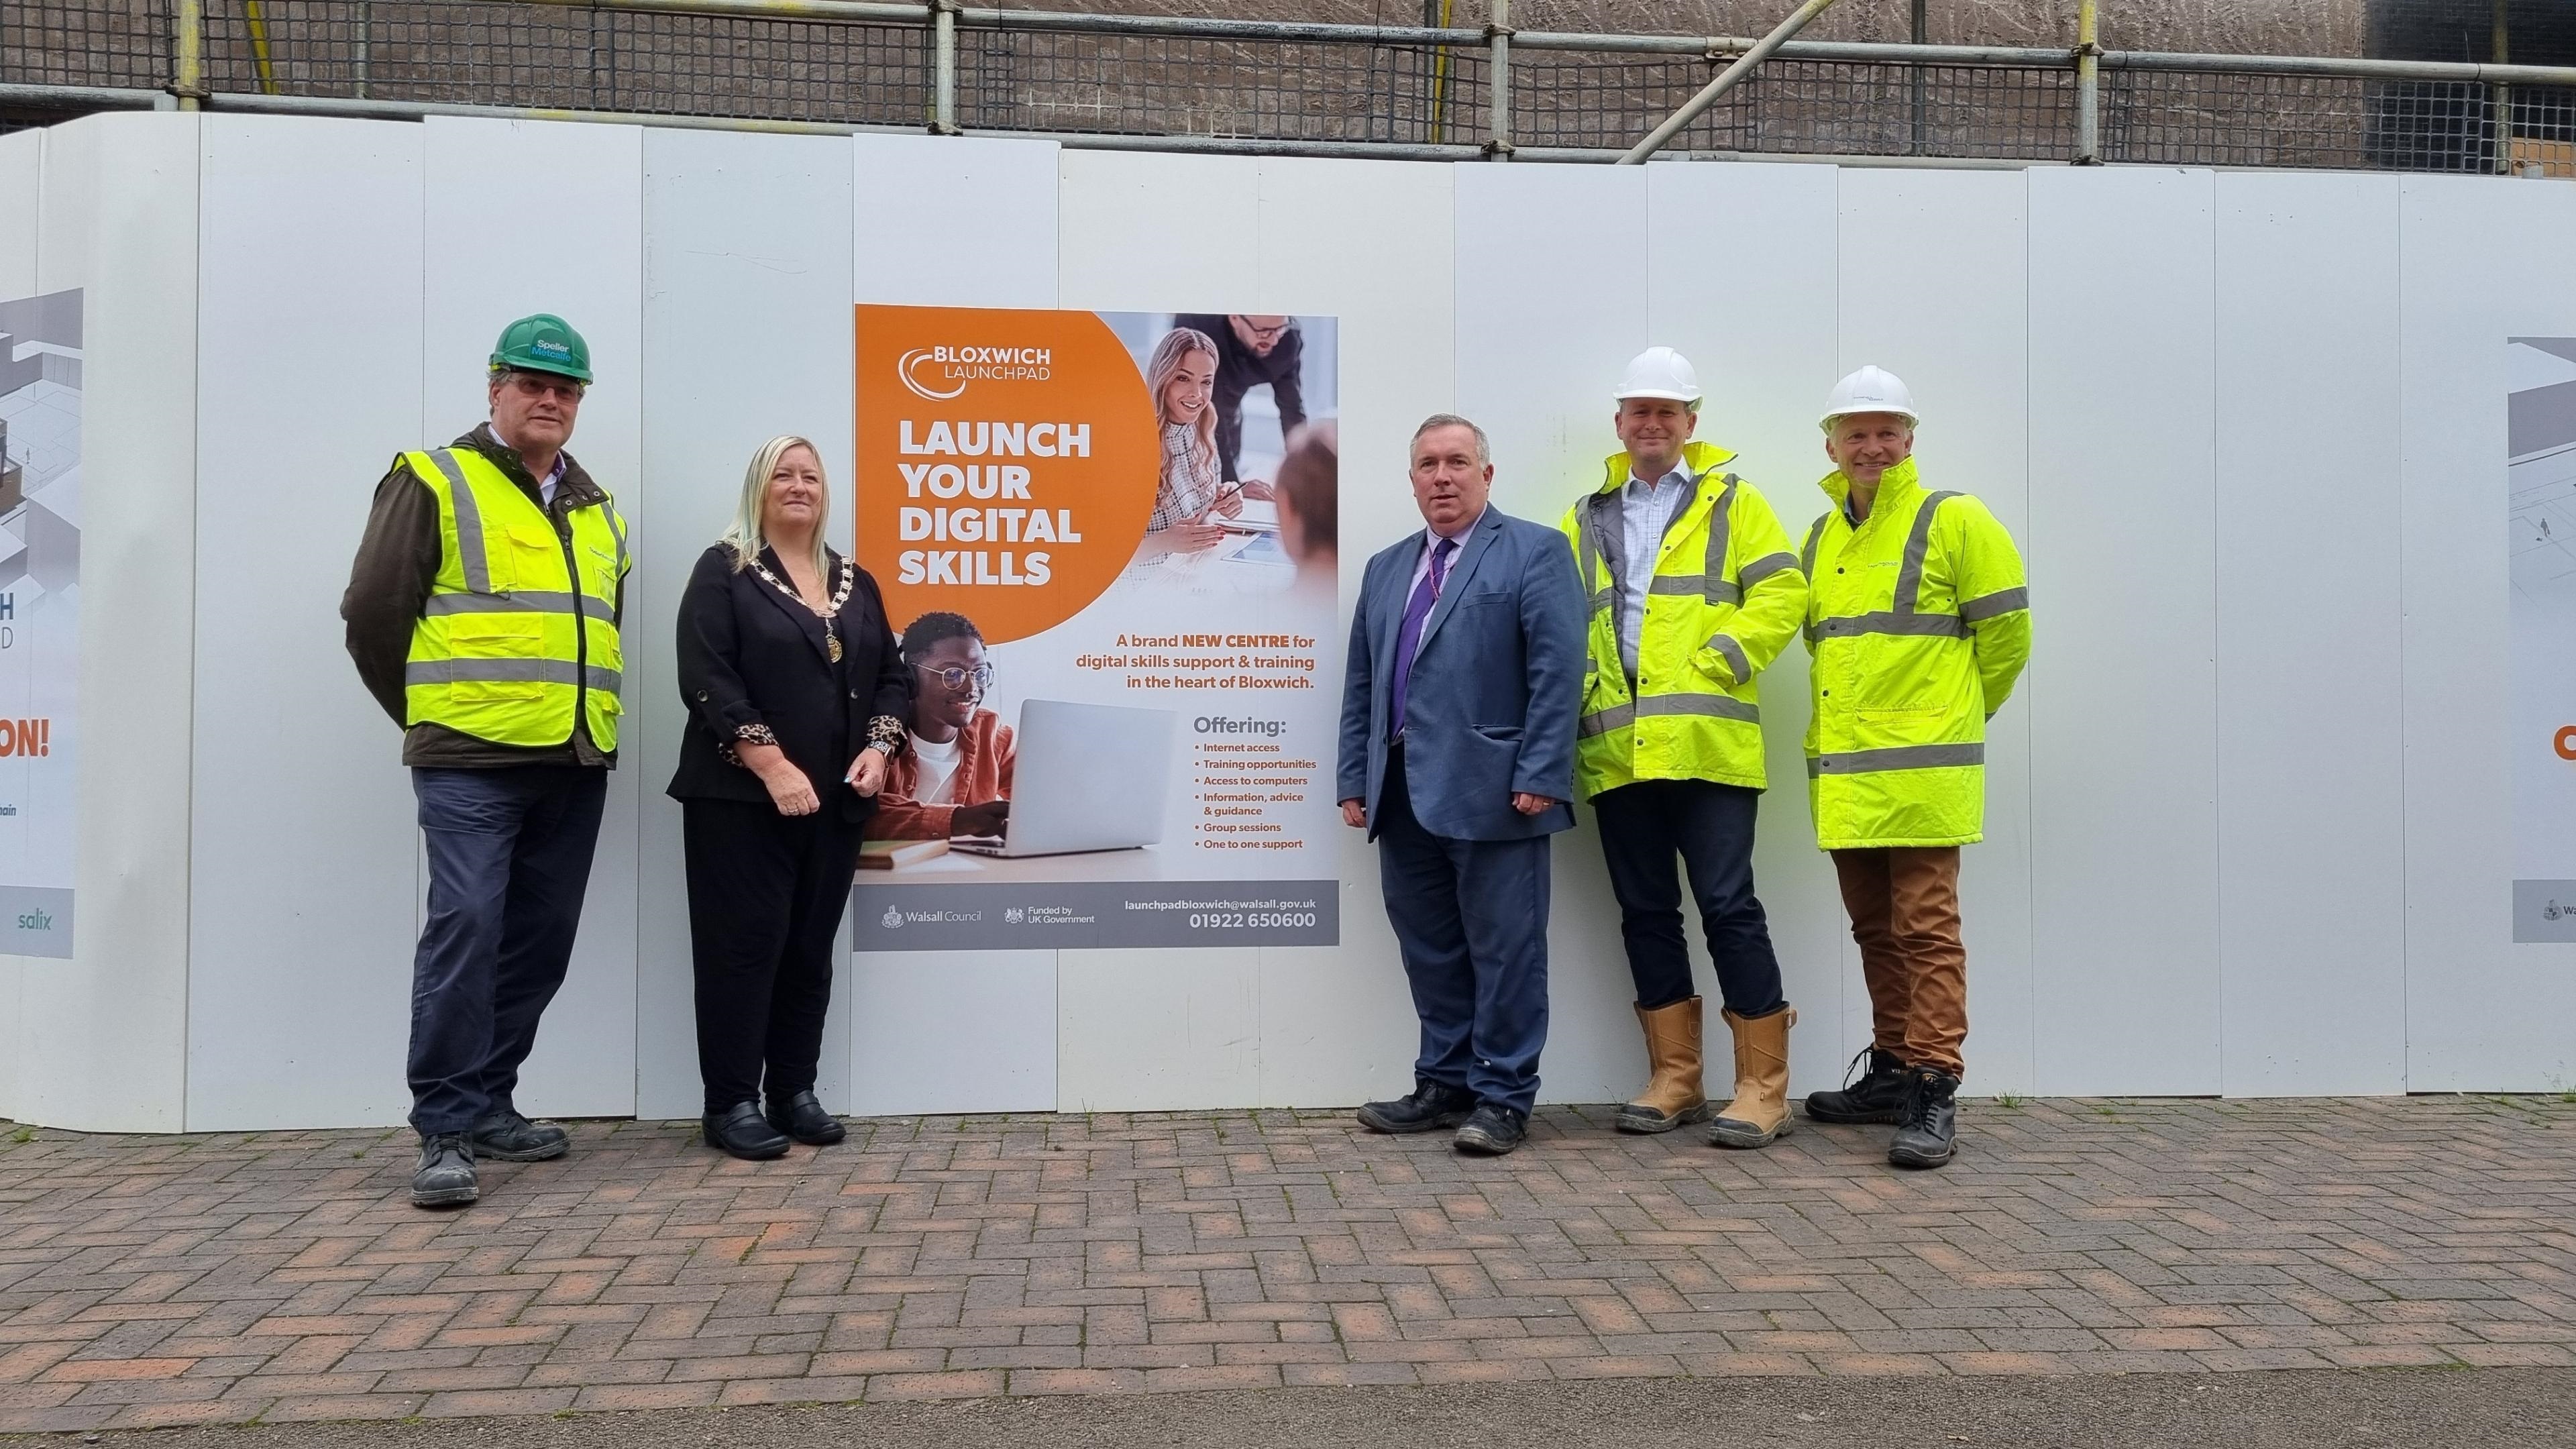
point(1457, 756)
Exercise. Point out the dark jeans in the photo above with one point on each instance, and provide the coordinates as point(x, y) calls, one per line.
point(1470, 917)
point(509, 857)
point(1710, 827)
point(766, 893)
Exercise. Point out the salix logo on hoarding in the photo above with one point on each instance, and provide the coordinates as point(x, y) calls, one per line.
point(962, 365)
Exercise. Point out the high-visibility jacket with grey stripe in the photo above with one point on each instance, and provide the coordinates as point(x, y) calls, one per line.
point(519, 636)
point(1919, 621)
point(1724, 597)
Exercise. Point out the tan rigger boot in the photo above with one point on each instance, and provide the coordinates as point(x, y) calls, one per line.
point(1673, 1096)
point(1760, 1111)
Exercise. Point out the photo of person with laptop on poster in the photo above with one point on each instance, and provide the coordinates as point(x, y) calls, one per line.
point(1116, 623)
point(953, 776)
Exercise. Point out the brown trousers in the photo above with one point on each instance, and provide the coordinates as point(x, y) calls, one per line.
point(1904, 906)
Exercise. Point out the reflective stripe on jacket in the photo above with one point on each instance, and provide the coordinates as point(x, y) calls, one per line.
point(1919, 621)
point(509, 648)
point(1724, 598)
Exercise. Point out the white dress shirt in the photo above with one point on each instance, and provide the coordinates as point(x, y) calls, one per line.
point(1645, 511)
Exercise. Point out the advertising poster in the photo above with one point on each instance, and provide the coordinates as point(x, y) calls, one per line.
point(2540, 492)
point(1108, 542)
point(40, 434)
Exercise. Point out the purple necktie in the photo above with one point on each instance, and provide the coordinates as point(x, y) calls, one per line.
point(1408, 636)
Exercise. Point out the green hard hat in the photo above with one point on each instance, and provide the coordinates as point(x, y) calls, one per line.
point(543, 343)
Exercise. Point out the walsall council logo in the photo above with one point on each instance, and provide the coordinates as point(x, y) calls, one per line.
point(891, 920)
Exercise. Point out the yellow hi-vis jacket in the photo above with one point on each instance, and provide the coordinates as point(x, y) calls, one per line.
point(1724, 599)
point(519, 636)
point(1919, 621)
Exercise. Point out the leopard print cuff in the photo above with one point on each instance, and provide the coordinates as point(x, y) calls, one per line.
point(750, 734)
point(886, 732)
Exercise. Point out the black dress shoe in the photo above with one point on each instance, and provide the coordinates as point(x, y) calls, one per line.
point(1927, 1134)
point(803, 1118)
point(509, 1137)
point(741, 1131)
point(1432, 1107)
point(1492, 1131)
point(1876, 1097)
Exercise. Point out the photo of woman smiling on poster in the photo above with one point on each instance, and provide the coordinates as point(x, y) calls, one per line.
point(1191, 495)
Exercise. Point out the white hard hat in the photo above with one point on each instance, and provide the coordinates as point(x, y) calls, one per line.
point(1659, 372)
point(1873, 389)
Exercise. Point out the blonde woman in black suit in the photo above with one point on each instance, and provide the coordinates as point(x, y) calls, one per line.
point(797, 697)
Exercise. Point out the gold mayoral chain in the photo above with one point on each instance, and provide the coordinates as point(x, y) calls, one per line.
point(829, 614)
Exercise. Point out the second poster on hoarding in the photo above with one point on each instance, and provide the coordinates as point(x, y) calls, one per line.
point(1107, 541)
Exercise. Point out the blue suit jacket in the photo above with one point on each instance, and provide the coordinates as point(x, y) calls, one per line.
point(1497, 682)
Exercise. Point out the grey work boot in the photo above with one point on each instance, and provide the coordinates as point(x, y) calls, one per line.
point(505, 1136)
point(445, 1177)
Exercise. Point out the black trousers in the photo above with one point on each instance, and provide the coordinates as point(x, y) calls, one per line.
point(1709, 826)
point(766, 893)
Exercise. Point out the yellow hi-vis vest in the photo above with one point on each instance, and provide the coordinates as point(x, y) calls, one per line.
point(519, 637)
point(1724, 599)
point(1919, 621)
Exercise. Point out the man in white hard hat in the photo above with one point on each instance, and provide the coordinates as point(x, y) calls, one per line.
point(1693, 591)
point(1918, 616)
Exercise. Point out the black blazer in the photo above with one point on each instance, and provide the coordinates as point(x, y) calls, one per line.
point(749, 654)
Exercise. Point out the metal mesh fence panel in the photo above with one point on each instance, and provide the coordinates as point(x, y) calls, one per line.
point(583, 59)
point(1339, 92)
point(2322, 121)
point(85, 42)
point(1156, 85)
point(2544, 131)
point(1817, 107)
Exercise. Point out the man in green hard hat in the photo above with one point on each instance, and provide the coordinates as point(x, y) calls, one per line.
point(483, 615)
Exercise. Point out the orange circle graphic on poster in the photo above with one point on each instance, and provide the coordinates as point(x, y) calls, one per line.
point(1007, 463)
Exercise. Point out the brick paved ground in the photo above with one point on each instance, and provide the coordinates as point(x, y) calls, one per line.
point(148, 1281)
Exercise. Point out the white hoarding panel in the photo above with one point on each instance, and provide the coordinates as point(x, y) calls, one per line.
point(2311, 740)
point(2484, 260)
point(305, 878)
point(2123, 518)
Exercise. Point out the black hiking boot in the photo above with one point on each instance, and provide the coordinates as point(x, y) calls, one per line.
point(1877, 1097)
point(1432, 1107)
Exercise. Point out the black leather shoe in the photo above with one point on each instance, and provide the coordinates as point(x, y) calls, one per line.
point(1876, 1097)
point(1432, 1107)
point(445, 1177)
point(508, 1137)
point(803, 1118)
point(740, 1131)
point(1492, 1131)
point(1927, 1134)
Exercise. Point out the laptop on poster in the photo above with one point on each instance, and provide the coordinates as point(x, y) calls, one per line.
point(1087, 777)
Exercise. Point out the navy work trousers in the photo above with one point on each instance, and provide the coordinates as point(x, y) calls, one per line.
point(1470, 917)
point(1707, 828)
point(509, 858)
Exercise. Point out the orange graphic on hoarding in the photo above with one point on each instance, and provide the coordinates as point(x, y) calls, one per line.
point(1007, 463)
